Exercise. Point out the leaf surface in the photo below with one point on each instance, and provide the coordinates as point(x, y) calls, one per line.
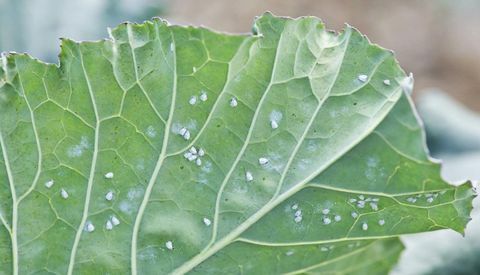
point(170, 149)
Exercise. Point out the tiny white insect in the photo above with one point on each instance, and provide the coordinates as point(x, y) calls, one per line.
point(362, 77)
point(64, 193)
point(326, 211)
point(298, 219)
point(361, 197)
point(187, 155)
point(374, 206)
point(338, 218)
point(298, 213)
point(201, 152)
point(194, 69)
point(192, 157)
point(203, 96)
point(248, 176)
point(198, 162)
point(192, 100)
point(386, 82)
point(109, 196)
point(361, 204)
point(274, 124)
point(263, 160)
point(186, 136)
point(49, 184)
point(354, 215)
point(172, 47)
point(430, 200)
point(115, 220)
point(324, 249)
point(193, 150)
point(183, 131)
point(411, 200)
point(376, 199)
point(364, 226)
point(207, 221)
point(295, 206)
point(89, 227)
point(108, 225)
point(109, 175)
point(381, 222)
point(289, 253)
point(352, 200)
point(327, 220)
point(169, 245)
point(233, 102)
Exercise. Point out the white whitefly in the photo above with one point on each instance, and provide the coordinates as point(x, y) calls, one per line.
point(109, 175)
point(274, 124)
point(203, 96)
point(326, 211)
point(108, 225)
point(201, 152)
point(89, 227)
point(192, 157)
point(364, 226)
point(289, 253)
point(363, 77)
point(198, 162)
point(374, 206)
point(233, 102)
point(381, 222)
point(248, 176)
point(109, 196)
point(207, 221)
point(49, 184)
point(361, 197)
point(386, 82)
point(193, 150)
point(327, 220)
point(194, 69)
point(115, 220)
point(295, 206)
point(192, 100)
point(298, 219)
point(263, 160)
point(183, 131)
point(169, 245)
point(354, 215)
point(64, 193)
point(172, 47)
point(337, 218)
point(407, 84)
point(352, 200)
point(298, 213)
point(430, 200)
point(324, 249)
point(186, 136)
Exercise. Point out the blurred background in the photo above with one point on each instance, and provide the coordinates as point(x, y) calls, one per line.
point(439, 41)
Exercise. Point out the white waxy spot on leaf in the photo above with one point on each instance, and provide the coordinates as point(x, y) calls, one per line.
point(248, 176)
point(407, 84)
point(381, 222)
point(49, 184)
point(207, 221)
point(169, 245)
point(374, 206)
point(203, 96)
point(192, 100)
point(172, 47)
point(352, 200)
point(263, 160)
point(354, 215)
point(324, 249)
point(201, 152)
point(364, 226)
point(338, 218)
point(411, 200)
point(194, 69)
point(89, 227)
point(386, 82)
point(108, 225)
point(289, 253)
point(151, 132)
point(233, 102)
point(327, 220)
point(363, 77)
point(326, 211)
point(64, 193)
point(109, 196)
point(361, 204)
point(77, 150)
point(109, 175)
point(115, 220)
point(361, 197)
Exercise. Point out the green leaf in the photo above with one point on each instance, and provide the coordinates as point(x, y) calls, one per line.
point(305, 156)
